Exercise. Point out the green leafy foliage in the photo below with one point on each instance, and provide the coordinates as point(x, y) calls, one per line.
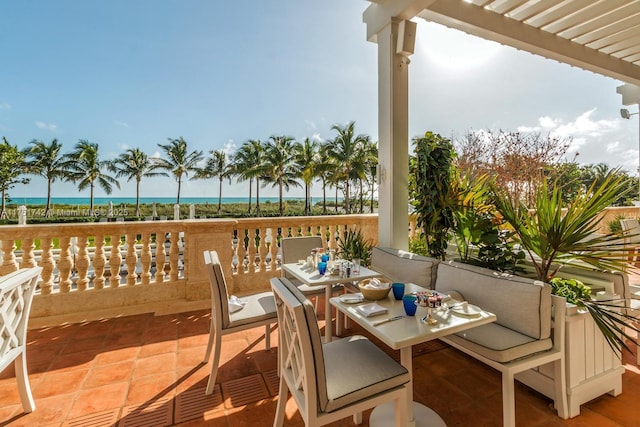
point(431, 173)
point(352, 244)
point(573, 290)
point(559, 233)
point(11, 167)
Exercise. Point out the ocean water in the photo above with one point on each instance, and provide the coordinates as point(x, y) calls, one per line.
point(104, 201)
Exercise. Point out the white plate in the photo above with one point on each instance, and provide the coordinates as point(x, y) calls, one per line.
point(467, 310)
point(351, 299)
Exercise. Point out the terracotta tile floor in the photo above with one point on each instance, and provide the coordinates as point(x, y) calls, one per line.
point(147, 371)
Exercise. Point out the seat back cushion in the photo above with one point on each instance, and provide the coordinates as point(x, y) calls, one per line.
point(521, 304)
point(402, 266)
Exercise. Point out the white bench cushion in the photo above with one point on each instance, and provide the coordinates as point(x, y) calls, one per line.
point(498, 343)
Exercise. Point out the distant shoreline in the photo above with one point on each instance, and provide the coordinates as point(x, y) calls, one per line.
point(104, 201)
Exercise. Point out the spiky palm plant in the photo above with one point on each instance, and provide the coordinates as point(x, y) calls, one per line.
point(555, 234)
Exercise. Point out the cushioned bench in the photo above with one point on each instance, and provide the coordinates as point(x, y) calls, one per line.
point(520, 339)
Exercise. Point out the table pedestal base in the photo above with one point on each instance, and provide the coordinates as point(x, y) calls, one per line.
point(384, 416)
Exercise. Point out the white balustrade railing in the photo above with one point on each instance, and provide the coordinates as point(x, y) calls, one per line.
point(107, 269)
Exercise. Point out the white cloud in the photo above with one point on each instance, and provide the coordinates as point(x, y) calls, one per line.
point(311, 124)
point(123, 124)
point(5, 106)
point(316, 137)
point(586, 126)
point(229, 147)
point(47, 126)
point(547, 122)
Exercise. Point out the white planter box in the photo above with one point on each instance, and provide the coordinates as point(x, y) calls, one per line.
point(592, 368)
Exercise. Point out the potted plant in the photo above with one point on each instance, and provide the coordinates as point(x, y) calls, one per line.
point(352, 245)
point(554, 234)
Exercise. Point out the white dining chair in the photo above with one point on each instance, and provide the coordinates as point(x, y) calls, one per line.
point(333, 380)
point(295, 249)
point(259, 310)
point(16, 295)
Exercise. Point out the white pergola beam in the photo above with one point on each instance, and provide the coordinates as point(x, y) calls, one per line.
point(378, 15)
point(484, 23)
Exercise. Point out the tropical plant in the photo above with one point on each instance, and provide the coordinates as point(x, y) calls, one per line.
point(134, 164)
point(352, 244)
point(306, 161)
point(179, 160)
point(324, 167)
point(11, 167)
point(559, 233)
point(555, 234)
point(246, 164)
point(371, 161)
point(83, 167)
point(344, 151)
point(476, 225)
point(431, 174)
point(216, 167)
point(45, 160)
point(279, 166)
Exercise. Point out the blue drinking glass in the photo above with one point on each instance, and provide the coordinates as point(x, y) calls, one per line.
point(409, 302)
point(322, 267)
point(398, 290)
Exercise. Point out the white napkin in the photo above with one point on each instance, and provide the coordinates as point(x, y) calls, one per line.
point(376, 284)
point(235, 304)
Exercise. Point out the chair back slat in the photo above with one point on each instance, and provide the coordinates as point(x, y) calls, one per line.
point(219, 295)
point(16, 294)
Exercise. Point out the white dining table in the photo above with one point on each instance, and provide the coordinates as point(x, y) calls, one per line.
point(312, 277)
point(402, 334)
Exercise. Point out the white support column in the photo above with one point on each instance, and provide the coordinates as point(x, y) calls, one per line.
point(393, 138)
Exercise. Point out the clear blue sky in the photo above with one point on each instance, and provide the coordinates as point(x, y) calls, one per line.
point(134, 73)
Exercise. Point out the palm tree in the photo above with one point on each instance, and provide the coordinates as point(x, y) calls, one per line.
point(371, 161)
point(279, 165)
point(84, 167)
point(179, 161)
point(343, 150)
point(362, 165)
point(135, 164)
point(324, 167)
point(216, 167)
point(246, 165)
point(45, 160)
point(306, 160)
